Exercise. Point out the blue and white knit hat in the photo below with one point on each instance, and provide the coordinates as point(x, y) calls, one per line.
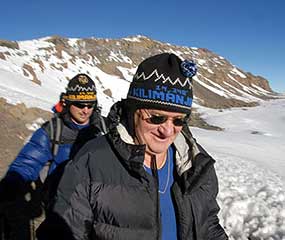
point(163, 82)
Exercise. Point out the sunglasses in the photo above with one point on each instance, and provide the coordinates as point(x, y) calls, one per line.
point(83, 105)
point(158, 119)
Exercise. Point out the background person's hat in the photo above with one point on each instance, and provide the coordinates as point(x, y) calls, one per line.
point(163, 82)
point(80, 88)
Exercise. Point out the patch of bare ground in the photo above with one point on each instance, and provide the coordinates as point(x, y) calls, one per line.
point(13, 131)
point(28, 69)
point(197, 121)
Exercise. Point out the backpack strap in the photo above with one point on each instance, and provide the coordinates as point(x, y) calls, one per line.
point(103, 125)
point(54, 131)
point(56, 135)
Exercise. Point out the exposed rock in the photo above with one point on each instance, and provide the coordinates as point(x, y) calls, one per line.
point(28, 70)
point(58, 40)
point(2, 56)
point(9, 44)
point(197, 121)
point(209, 99)
point(108, 92)
point(41, 64)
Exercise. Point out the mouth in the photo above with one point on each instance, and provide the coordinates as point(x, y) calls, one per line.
point(160, 138)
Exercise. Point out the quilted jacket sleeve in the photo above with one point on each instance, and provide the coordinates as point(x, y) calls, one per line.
point(216, 232)
point(70, 216)
point(33, 156)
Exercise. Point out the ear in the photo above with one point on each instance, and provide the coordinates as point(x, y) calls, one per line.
point(63, 103)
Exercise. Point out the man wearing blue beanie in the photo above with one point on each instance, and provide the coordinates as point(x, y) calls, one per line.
point(147, 178)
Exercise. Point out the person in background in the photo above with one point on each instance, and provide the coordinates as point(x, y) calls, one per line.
point(147, 178)
point(77, 119)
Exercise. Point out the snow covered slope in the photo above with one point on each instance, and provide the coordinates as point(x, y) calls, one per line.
point(42, 67)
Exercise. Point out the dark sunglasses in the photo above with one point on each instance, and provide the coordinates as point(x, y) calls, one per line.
point(160, 119)
point(83, 105)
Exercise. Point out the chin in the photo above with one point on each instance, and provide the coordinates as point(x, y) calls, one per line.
point(81, 122)
point(158, 150)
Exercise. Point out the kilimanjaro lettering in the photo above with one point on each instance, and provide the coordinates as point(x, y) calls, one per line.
point(174, 96)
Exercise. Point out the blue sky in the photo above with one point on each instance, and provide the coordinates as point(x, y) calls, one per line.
point(248, 33)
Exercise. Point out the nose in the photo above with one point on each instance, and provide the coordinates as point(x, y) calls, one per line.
point(167, 128)
point(85, 109)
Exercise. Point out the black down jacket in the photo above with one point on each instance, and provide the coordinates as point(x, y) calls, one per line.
point(105, 193)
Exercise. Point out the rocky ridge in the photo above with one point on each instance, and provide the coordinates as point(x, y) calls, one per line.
point(217, 84)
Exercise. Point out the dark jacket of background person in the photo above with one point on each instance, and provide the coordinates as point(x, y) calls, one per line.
point(105, 192)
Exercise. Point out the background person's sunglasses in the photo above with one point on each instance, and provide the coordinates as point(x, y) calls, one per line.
point(160, 119)
point(83, 105)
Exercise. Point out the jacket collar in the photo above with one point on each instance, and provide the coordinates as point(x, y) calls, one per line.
point(131, 154)
point(192, 161)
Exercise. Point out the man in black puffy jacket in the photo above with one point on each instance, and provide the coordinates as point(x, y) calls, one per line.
point(147, 178)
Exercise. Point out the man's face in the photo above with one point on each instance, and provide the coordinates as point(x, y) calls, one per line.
point(157, 129)
point(81, 112)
